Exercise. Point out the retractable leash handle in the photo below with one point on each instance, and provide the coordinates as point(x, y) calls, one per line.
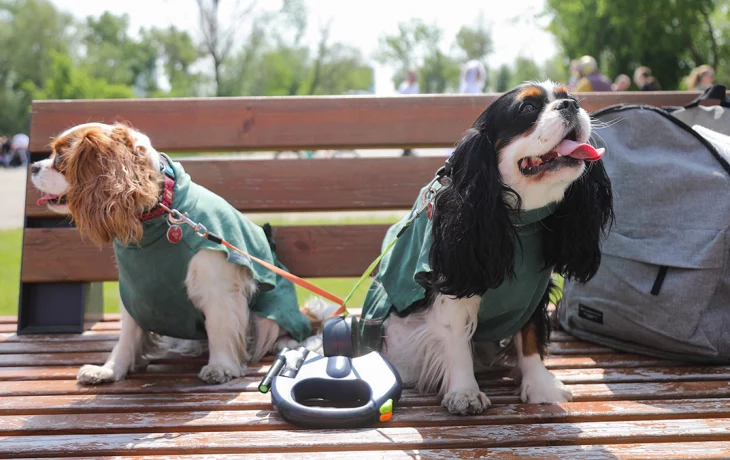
point(368, 384)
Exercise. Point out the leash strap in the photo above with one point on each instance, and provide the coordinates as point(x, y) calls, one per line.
point(176, 217)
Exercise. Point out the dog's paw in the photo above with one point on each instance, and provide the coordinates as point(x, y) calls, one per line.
point(465, 402)
point(543, 388)
point(218, 373)
point(314, 343)
point(284, 342)
point(94, 375)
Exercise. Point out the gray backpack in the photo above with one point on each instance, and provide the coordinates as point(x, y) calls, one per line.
point(663, 287)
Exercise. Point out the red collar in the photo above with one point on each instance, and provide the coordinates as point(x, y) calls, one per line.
point(167, 194)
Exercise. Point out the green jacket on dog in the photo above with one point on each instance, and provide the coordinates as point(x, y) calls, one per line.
point(152, 274)
point(404, 272)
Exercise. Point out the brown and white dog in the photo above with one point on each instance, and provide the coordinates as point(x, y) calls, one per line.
point(526, 151)
point(108, 176)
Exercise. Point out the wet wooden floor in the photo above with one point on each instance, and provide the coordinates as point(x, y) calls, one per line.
point(625, 406)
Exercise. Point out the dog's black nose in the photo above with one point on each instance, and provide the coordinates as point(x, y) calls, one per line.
point(35, 168)
point(567, 104)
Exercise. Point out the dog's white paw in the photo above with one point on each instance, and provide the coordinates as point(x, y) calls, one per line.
point(284, 342)
point(314, 343)
point(218, 373)
point(542, 387)
point(465, 402)
point(94, 375)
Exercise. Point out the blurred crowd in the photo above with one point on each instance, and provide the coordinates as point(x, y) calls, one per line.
point(585, 76)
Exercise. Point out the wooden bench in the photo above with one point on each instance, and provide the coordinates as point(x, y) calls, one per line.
point(626, 406)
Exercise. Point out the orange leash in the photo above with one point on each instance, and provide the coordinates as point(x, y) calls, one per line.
point(293, 278)
point(175, 217)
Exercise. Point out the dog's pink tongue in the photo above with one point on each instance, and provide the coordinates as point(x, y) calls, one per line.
point(587, 152)
point(45, 198)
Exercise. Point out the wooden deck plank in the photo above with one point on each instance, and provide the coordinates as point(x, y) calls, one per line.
point(93, 336)
point(552, 362)
point(504, 393)
point(211, 401)
point(252, 420)
point(575, 347)
point(588, 375)
point(659, 451)
point(696, 430)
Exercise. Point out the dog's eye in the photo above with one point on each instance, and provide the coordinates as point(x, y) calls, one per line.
point(527, 108)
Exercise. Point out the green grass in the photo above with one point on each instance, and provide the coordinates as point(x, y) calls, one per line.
point(11, 243)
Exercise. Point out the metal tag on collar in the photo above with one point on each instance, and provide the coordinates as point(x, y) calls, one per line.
point(174, 234)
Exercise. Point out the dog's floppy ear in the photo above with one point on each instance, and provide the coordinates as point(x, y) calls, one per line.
point(110, 182)
point(472, 248)
point(572, 236)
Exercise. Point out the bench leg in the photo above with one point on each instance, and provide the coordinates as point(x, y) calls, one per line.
point(59, 308)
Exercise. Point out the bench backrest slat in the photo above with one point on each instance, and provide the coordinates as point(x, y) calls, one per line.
point(282, 123)
point(60, 254)
point(304, 185)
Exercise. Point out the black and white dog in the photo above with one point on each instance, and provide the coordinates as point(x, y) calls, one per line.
point(526, 152)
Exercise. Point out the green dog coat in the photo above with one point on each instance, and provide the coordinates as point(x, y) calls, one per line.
point(152, 273)
point(402, 279)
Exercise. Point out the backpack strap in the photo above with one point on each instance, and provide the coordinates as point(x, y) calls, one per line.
point(714, 92)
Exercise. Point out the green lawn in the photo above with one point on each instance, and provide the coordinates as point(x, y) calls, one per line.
point(11, 242)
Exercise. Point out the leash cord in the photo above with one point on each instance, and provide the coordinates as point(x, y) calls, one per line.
point(175, 217)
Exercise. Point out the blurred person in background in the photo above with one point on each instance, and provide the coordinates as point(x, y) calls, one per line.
point(621, 83)
point(410, 84)
point(4, 149)
point(473, 78)
point(591, 78)
point(18, 153)
point(701, 78)
point(644, 80)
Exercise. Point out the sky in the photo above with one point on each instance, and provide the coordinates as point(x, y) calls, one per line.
point(515, 29)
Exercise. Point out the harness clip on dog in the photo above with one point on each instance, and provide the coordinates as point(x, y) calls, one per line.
point(363, 387)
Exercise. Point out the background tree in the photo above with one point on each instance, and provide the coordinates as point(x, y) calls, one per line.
point(475, 41)
point(219, 38)
point(68, 81)
point(525, 69)
point(31, 31)
point(503, 78)
point(113, 55)
point(416, 45)
point(670, 36)
point(177, 54)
